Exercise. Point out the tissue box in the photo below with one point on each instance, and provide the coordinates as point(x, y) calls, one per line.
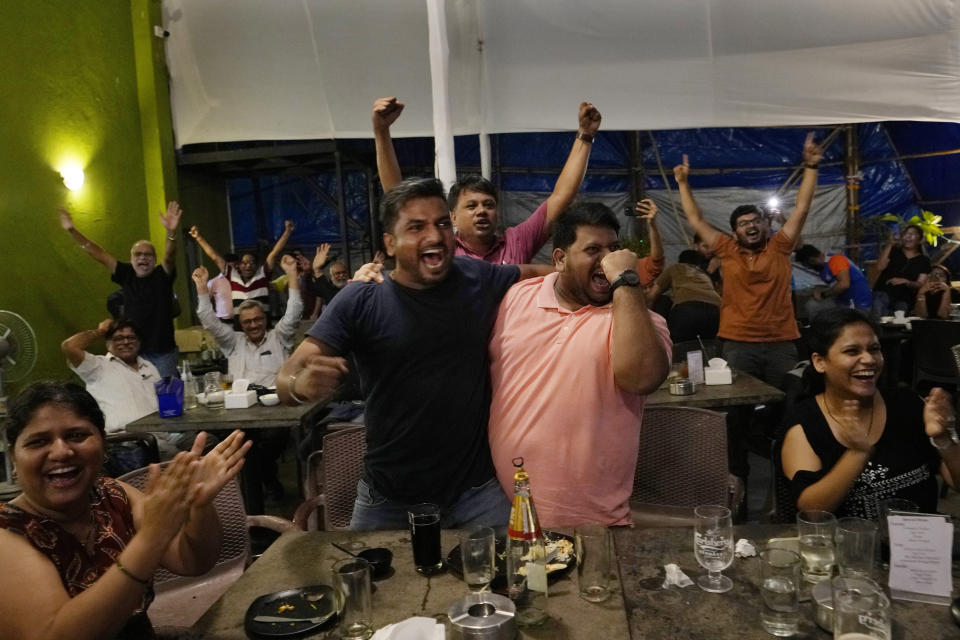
point(714, 376)
point(239, 399)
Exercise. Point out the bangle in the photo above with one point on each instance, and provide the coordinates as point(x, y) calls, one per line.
point(125, 572)
point(291, 383)
point(586, 137)
point(171, 237)
point(933, 441)
point(808, 165)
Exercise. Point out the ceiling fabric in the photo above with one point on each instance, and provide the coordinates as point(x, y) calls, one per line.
point(309, 69)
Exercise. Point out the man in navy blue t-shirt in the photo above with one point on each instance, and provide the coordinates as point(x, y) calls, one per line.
point(420, 343)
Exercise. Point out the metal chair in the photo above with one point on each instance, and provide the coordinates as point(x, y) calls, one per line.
point(181, 600)
point(933, 358)
point(682, 464)
point(332, 476)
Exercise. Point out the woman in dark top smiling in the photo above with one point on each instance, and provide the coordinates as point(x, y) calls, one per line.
point(851, 446)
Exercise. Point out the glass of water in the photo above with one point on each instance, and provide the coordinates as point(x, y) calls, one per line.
point(861, 610)
point(816, 530)
point(780, 589)
point(478, 555)
point(713, 546)
point(856, 546)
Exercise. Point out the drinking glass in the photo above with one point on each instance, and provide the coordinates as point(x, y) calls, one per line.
point(713, 546)
point(886, 506)
point(212, 391)
point(816, 530)
point(856, 546)
point(351, 577)
point(478, 555)
point(861, 610)
point(424, 522)
point(593, 562)
point(780, 589)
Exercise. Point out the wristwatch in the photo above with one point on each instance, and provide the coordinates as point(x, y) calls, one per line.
point(628, 278)
point(952, 434)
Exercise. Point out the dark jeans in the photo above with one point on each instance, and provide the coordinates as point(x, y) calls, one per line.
point(485, 505)
point(769, 361)
point(688, 320)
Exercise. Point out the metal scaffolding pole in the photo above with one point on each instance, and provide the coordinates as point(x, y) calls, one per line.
point(854, 224)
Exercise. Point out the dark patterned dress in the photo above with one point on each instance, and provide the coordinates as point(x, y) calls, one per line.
point(78, 569)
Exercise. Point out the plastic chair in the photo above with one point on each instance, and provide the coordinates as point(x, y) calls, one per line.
point(181, 600)
point(332, 476)
point(933, 358)
point(682, 464)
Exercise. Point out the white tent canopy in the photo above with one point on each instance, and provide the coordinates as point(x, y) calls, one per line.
point(310, 69)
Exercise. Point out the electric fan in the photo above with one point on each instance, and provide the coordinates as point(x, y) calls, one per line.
point(18, 354)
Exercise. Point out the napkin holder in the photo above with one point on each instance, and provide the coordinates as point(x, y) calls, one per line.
point(717, 372)
point(239, 396)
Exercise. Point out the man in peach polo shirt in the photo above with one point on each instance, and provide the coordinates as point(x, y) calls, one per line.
point(572, 357)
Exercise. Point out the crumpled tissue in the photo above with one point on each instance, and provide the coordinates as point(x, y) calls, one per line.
point(744, 549)
point(675, 577)
point(416, 628)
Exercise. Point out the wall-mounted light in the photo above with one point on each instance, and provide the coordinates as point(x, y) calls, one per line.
point(72, 177)
point(773, 203)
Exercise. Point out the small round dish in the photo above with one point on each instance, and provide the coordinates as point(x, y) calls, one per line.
point(269, 399)
point(682, 387)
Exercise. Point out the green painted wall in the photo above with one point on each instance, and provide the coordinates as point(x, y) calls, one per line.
point(75, 79)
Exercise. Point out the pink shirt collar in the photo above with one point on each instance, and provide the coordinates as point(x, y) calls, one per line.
point(547, 297)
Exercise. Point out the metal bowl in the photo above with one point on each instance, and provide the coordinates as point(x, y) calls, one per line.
point(681, 387)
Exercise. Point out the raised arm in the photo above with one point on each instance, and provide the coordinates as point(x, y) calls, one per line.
point(640, 361)
point(691, 209)
point(313, 372)
point(170, 222)
point(385, 113)
point(225, 336)
point(939, 419)
point(208, 249)
point(91, 248)
point(287, 326)
point(278, 247)
point(812, 153)
point(75, 347)
point(571, 176)
point(647, 209)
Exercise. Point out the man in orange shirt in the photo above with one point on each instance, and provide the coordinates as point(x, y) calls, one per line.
point(584, 336)
point(756, 318)
point(757, 324)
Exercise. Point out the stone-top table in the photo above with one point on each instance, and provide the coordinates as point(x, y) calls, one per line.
point(304, 559)
point(693, 614)
point(745, 390)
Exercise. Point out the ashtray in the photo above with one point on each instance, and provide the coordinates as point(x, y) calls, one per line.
point(681, 387)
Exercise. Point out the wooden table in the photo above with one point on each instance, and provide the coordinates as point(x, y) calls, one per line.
point(745, 390)
point(255, 417)
point(691, 613)
point(303, 559)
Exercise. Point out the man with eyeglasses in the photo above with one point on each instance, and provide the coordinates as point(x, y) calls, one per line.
point(147, 287)
point(757, 323)
point(122, 382)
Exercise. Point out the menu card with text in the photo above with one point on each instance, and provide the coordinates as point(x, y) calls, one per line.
point(920, 548)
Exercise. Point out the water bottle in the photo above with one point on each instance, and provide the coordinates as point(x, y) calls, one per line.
point(189, 387)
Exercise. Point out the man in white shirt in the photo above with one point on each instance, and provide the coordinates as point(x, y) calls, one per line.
point(121, 382)
point(256, 353)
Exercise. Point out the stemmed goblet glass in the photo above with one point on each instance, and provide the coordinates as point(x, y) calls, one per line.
point(713, 546)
